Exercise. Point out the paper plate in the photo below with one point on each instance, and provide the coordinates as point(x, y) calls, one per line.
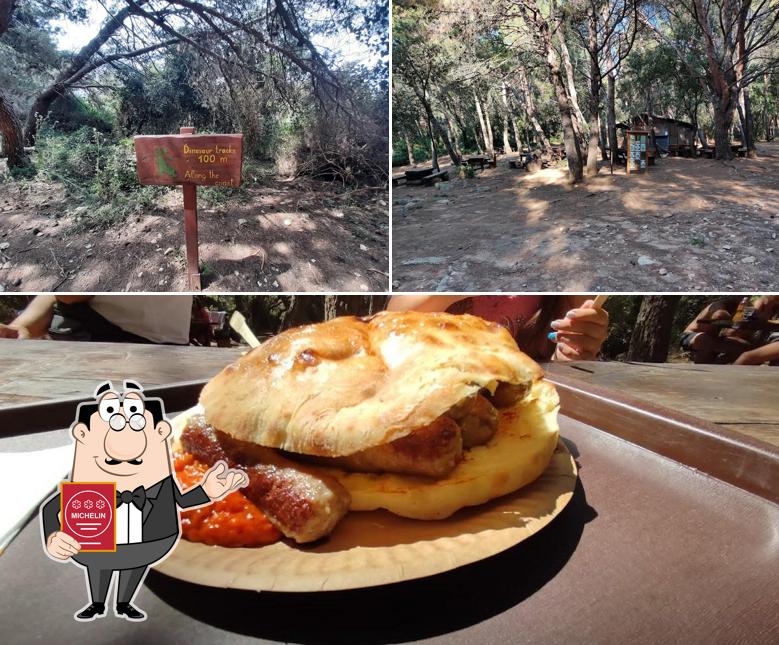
point(375, 548)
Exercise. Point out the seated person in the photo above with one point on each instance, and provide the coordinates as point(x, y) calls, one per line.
point(766, 308)
point(162, 319)
point(577, 330)
point(704, 340)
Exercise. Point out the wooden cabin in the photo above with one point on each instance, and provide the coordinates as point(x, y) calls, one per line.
point(671, 136)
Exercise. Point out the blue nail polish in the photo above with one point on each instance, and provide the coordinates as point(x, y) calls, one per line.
point(552, 336)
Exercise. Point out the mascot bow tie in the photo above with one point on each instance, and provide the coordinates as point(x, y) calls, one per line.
point(136, 497)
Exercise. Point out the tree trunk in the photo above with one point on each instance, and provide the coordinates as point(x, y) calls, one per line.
point(454, 135)
point(579, 121)
point(595, 83)
point(351, 305)
point(611, 118)
point(508, 118)
point(651, 335)
point(7, 8)
point(491, 137)
point(433, 151)
point(409, 149)
point(485, 134)
point(11, 132)
point(723, 120)
point(604, 141)
point(572, 149)
point(767, 107)
point(749, 124)
point(530, 109)
point(478, 141)
point(543, 30)
point(507, 149)
point(43, 101)
point(433, 126)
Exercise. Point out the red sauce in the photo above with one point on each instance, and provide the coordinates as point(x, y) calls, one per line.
point(233, 521)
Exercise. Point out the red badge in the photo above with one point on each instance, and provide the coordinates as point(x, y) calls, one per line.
point(88, 512)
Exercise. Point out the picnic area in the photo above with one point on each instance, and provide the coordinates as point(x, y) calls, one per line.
point(688, 225)
point(536, 147)
point(283, 182)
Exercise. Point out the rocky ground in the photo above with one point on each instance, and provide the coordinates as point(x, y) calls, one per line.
point(282, 236)
point(686, 225)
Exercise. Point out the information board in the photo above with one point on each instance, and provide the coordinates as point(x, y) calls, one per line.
point(637, 150)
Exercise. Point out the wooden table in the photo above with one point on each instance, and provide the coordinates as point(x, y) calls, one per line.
point(41, 370)
point(743, 398)
point(649, 549)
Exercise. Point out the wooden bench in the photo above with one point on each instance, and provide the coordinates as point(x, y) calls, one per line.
point(477, 161)
point(397, 180)
point(415, 176)
point(429, 180)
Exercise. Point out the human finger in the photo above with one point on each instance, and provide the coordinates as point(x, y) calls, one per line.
point(568, 351)
point(585, 346)
point(69, 540)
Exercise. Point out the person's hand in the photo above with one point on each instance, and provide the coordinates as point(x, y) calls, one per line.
point(61, 546)
point(7, 331)
point(221, 480)
point(581, 333)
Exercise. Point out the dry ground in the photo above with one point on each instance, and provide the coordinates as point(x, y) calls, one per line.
point(282, 236)
point(687, 224)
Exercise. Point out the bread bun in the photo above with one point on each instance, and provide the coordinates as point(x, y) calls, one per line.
point(516, 455)
point(342, 386)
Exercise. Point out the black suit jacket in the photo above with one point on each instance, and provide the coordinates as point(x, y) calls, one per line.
point(160, 515)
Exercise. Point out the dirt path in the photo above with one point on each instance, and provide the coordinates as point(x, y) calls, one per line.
point(688, 224)
point(284, 236)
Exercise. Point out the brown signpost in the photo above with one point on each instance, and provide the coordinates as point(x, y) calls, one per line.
point(191, 160)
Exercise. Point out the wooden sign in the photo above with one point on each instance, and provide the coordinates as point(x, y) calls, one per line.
point(637, 150)
point(191, 160)
point(200, 159)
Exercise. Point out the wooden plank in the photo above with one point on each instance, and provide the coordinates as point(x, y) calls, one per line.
point(743, 398)
point(720, 452)
point(45, 369)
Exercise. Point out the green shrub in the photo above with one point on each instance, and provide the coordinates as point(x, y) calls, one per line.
point(97, 171)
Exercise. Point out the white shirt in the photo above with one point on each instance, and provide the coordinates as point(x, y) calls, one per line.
point(129, 524)
point(160, 318)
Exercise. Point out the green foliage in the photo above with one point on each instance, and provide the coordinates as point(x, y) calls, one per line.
point(467, 171)
point(96, 170)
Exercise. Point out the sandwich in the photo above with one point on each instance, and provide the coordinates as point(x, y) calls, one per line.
point(420, 414)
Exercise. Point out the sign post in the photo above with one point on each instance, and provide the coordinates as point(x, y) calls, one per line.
point(637, 150)
point(191, 160)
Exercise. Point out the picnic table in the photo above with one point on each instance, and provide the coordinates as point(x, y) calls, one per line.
point(650, 548)
point(741, 398)
point(416, 175)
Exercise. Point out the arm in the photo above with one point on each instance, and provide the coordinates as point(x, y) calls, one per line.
point(195, 496)
point(50, 515)
point(760, 355)
point(33, 322)
point(58, 544)
point(218, 482)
